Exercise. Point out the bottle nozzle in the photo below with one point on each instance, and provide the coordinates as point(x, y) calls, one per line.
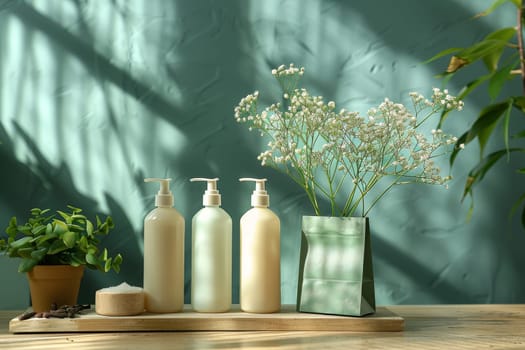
point(260, 197)
point(211, 195)
point(163, 198)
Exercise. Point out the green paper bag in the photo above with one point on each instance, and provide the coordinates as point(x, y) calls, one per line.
point(335, 269)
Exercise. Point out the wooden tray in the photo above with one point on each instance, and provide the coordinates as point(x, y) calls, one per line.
point(287, 320)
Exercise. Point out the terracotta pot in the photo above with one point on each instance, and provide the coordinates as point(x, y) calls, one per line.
point(57, 284)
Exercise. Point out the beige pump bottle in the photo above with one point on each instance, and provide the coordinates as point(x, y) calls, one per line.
point(260, 255)
point(163, 254)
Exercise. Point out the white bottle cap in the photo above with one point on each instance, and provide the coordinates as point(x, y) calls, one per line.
point(164, 198)
point(260, 197)
point(211, 196)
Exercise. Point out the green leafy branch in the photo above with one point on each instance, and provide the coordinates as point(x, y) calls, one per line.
point(502, 55)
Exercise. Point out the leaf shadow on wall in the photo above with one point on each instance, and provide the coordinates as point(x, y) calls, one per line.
point(39, 183)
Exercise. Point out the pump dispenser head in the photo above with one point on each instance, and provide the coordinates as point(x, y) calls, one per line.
point(211, 195)
point(164, 198)
point(260, 197)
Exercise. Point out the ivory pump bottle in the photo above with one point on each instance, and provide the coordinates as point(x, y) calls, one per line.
point(163, 254)
point(211, 271)
point(260, 256)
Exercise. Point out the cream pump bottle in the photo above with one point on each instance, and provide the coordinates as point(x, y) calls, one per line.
point(260, 256)
point(163, 254)
point(211, 268)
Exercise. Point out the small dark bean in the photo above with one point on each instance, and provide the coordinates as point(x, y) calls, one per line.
point(26, 315)
point(58, 314)
point(61, 312)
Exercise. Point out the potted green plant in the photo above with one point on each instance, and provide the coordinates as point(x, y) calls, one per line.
point(54, 249)
point(345, 163)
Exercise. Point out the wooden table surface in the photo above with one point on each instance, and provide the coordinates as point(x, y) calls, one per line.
point(426, 327)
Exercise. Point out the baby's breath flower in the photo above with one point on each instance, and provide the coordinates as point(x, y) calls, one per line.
point(320, 147)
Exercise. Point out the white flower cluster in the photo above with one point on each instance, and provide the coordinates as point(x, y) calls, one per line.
point(323, 149)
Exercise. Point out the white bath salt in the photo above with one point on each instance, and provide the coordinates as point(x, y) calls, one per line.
point(121, 300)
point(121, 288)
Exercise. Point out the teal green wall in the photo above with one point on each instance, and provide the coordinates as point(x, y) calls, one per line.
point(97, 95)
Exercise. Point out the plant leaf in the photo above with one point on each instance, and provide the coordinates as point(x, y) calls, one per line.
point(20, 243)
point(116, 263)
point(25, 252)
point(89, 228)
point(461, 141)
point(519, 103)
point(38, 230)
point(65, 216)
point(465, 91)
point(69, 239)
point(56, 247)
point(45, 238)
point(478, 172)
point(506, 126)
point(486, 119)
point(92, 259)
point(503, 35)
point(26, 265)
point(479, 50)
point(39, 254)
point(107, 265)
point(75, 210)
point(499, 78)
point(77, 259)
point(25, 229)
point(443, 53)
point(60, 227)
point(495, 5)
point(456, 63)
point(104, 254)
